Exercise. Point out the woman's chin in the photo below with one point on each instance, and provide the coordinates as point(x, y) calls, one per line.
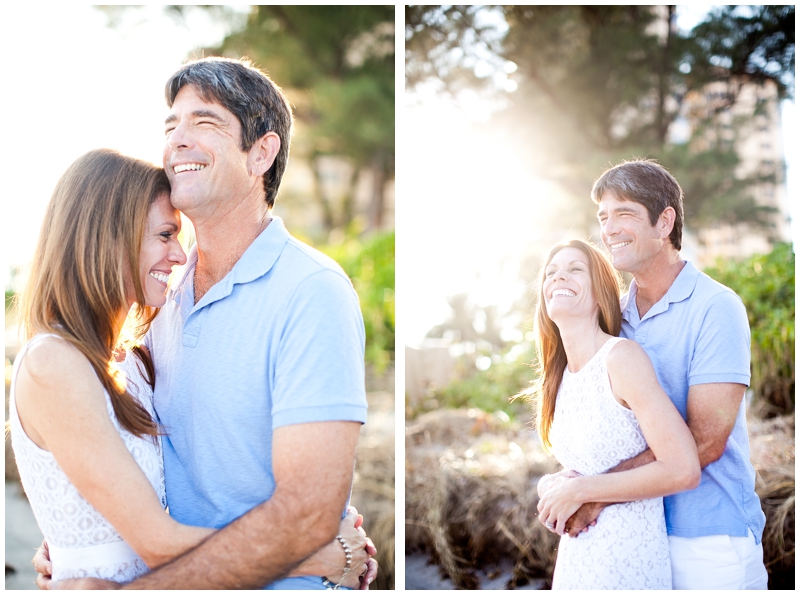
point(155, 301)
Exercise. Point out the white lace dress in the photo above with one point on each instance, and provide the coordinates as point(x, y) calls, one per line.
point(591, 433)
point(82, 543)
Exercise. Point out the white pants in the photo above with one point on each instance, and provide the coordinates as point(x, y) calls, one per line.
point(717, 562)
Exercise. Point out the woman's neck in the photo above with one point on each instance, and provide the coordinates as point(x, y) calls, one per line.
point(582, 339)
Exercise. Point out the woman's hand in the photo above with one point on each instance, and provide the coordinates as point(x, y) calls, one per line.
point(560, 500)
point(546, 481)
point(43, 566)
point(330, 560)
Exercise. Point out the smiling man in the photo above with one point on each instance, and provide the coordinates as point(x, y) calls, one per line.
point(697, 335)
point(259, 351)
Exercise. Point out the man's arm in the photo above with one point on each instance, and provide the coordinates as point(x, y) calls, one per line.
point(313, 467)
point(711, 411)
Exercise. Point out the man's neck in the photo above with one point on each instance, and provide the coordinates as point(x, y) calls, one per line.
point(654, 282)
point(221, 242)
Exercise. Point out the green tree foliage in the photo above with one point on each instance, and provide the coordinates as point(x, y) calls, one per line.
point(765, 282)
point(370, 265)
point(598, 84)
point(757, 45)
point(341, 60)
point(444, 43)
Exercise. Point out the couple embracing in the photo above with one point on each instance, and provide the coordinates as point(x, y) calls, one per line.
point(237, 397)
point(642, 398)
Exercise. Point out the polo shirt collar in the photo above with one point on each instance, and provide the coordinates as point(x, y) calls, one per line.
point(256, 261)
point(681, 289)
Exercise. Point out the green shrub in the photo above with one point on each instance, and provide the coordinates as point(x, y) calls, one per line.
point(765, 282)
point(488, 390)
point(369, 263)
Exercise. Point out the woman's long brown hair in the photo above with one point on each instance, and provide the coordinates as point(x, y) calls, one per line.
point(86, 261)
point(550, 348)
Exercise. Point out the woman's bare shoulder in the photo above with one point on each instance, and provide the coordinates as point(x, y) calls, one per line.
point(52, 360)
point(627, 357)
point(624, 348)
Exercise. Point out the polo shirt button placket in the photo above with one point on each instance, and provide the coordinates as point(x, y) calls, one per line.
point(191, 331)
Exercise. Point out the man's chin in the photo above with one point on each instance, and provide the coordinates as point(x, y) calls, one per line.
point(180, 200)
point(620, 264)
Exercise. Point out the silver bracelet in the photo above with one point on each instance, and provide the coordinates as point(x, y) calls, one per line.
point(348, 557)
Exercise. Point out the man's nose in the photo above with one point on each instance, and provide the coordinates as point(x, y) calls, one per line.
point(609, 226)
point(178, 138)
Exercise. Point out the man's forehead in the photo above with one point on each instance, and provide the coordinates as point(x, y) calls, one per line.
point(611, 201)
point(194, 97)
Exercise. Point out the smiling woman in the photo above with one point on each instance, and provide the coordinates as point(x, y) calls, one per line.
point(160, 251)
point(599, 404)
point(80, 410)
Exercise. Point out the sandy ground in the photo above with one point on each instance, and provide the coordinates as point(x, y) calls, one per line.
point(422, 575)
point(22, 539)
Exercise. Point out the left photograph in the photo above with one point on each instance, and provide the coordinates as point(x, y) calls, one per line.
point(199, 298)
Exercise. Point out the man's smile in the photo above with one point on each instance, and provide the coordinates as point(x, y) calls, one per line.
point(187, 167)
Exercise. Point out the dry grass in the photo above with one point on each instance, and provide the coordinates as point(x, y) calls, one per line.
point(471, 495)
point(772, 453)
point(373, 486)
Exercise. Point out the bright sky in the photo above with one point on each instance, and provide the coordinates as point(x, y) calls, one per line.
point(71, 85)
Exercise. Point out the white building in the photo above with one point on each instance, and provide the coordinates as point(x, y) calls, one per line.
point(753, 123)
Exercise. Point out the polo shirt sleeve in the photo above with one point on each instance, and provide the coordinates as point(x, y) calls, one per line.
point(722, 349)
point(319, 372)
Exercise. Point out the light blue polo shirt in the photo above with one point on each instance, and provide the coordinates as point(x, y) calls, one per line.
point(698, 334)
point(278, 341)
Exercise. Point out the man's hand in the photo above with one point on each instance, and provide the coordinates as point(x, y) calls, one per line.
point(584, 517)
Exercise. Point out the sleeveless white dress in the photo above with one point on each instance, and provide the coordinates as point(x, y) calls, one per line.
point(82, 543)
point(592, 433)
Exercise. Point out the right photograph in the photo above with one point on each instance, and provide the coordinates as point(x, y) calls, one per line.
point(597, 290)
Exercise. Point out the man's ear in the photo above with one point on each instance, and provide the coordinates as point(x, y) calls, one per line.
point(262, 154)
point(666, 222)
